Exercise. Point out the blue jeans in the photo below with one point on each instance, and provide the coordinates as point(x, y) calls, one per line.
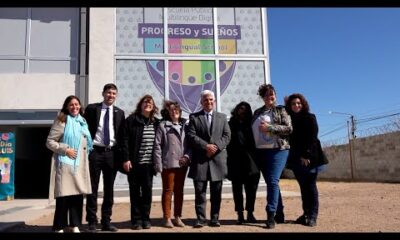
point(272, 162)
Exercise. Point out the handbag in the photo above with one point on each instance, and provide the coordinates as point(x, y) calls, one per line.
point(318, 157)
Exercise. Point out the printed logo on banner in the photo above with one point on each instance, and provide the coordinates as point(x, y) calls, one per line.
point(7, 156)
point(188, 78)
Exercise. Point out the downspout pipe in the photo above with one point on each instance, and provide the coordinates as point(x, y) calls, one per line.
point(83, 90)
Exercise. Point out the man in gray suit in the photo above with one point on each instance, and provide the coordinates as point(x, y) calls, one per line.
point(208, 134)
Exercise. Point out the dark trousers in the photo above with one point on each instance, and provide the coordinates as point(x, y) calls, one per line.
point(68, 206)
point(309, 192)
point(200, 188)
point(140, 180)
point(101, 161)
point(250, 184)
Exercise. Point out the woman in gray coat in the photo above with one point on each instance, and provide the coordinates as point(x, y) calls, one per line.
point(70, 140)
point(171, 158)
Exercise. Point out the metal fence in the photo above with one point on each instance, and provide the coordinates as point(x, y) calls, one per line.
point(390, 127)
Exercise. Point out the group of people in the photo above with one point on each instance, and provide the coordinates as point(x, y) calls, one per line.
point(206, 147)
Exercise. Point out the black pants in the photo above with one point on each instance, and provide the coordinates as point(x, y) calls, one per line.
point(140, 180)
point(309, 192)
point(250, 184)
point(68, 206)
point(101, 161)
point(200, 188)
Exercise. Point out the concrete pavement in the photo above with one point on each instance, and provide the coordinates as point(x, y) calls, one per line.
point(19, 211)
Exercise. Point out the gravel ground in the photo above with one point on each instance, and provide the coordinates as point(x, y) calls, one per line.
point(344, 207)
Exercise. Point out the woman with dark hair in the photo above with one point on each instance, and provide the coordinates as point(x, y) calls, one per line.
point(70, 140)
point(305, 156)
point(242, 168)
point(171, 159)
point(271, 128)
point(138, 142)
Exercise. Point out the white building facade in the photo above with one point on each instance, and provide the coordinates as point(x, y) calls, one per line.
point(47, 54)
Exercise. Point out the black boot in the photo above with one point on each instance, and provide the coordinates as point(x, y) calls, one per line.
point(303, 219)
point(280, 217)
point(312, 222)
point(251, 218)
point(240, 220)
point(270, 220)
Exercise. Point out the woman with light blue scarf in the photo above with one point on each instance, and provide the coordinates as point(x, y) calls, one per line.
point(70, 140)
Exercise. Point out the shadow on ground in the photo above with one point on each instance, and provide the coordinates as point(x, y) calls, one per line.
point(156, 222)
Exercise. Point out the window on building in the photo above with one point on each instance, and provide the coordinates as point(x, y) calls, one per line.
point(39, 40)
point(190, 62)
point(136, 78)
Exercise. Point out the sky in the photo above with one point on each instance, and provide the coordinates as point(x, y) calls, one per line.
point(343, 60)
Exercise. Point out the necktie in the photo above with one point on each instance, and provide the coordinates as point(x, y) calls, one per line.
point(106, 128)
point(208, 120)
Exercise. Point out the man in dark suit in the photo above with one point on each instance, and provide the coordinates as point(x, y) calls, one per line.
point(209, 135)
point(105, 123)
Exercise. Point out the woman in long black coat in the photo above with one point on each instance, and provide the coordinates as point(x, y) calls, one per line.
point(242, 168)
point(305, 156)
point(137, 148)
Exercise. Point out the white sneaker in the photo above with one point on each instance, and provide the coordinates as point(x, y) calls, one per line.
point(75, 230)
point(59, 231)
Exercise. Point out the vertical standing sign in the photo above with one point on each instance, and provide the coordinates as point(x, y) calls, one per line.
point(7, 162)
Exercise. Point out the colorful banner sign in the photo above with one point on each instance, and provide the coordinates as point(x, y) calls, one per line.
point(202, 31)
point(190, 31)
point(7, 162)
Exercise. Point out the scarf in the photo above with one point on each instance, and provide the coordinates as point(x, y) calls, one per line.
point(74, 128)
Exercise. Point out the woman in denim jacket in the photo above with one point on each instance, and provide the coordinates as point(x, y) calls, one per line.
point(271, 127)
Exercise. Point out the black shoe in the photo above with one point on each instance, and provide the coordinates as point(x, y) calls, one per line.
point(109, 227)
point(92, 227)
point(312, 222)
point(137, 225)
point(270, 223)
point(251, 218)
point(146, 224)
point(240, 220)
point(199, 224)
point(303, 219)
point(214, 223)
point(279, 217)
